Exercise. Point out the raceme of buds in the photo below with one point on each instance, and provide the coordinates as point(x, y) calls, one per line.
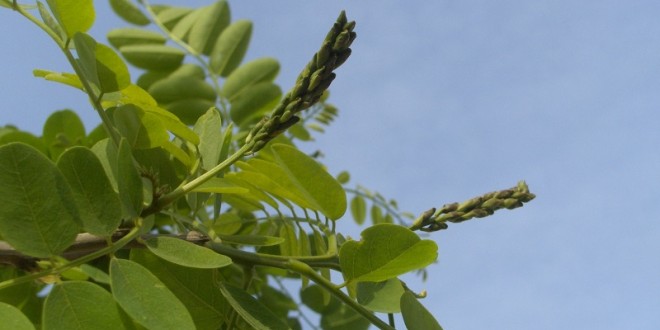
point(315, 78)
point(478, 207)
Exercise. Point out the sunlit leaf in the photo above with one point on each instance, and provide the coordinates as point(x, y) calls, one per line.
point(73, 15)
point(385, 251)
point(358, 209)
point(254, 240)
point(290, 245)
point(415, 315)
point(170, 16)
point(129, 12)
point(221, 186)
point(69, 79)
point(230, 47)
point(208, 127)
point(141, 129)
point(185, 253)
point(12, 318)
point(98, 204)
point(145, 298)
point(38, 216)
point(80, 305)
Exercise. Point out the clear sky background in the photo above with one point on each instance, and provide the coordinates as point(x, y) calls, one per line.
point(445, 100)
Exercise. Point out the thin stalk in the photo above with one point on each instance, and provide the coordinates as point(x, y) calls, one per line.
point(307, 271)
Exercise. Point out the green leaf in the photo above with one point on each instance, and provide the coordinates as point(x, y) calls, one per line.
point(69, 79)
point(192, 286)
point(38, 216)
point(385, 251)
point(250, 309)
point(227, 223)
point(340, 316)
point(129, 181)
point(186, 254)
point(316, 298)
point(177, 88)
point(73, 15)
point(112, 71)
point(24, 137)
point(142, 130)
point(132, 36)
point(249, 74)
point(254, 240)
point(189, 110)
point(358, 209)
point(62, 129)
point(80, 305)
point(311, 181)
point(290, 245)
point(95, 274)
point(86, 49)
point(380, 297)
point(12, 318)
point(170, 16)
point(210, 23)
point(209, 129)
point(98, 204)
point(221, 186)
point(185, 24)
point(145, 298)
point(129, 12)
point(343, 177)
point(153, 57)
point(376, 214)
point(230, 48)
point(254, 103)
point(50, 21)
point(415, 316)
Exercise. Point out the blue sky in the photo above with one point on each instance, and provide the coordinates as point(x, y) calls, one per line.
point(445, 100)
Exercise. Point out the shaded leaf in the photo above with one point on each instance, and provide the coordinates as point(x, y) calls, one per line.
point(254, 240)
point(170, 16)
point(210, 23)
point(145, 298)
point(230, 47)
point(415, 316)
point(153, 57)
point(141, 129)
point(249, 74)
point(98, 204)
point(185, 253)
point(221, 186)
point(254, 103)
point(24, 137)
point(38, 216)
point(250, 309)
point(62, 129)
point(380, 297)
point(385, 251)
point(80, 305)
point(132, 36)
point(129, 182)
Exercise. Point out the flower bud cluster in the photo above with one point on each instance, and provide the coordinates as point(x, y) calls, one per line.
point(478, 207)
point(310, 85)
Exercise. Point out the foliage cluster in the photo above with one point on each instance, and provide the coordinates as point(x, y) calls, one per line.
point(191, 203)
